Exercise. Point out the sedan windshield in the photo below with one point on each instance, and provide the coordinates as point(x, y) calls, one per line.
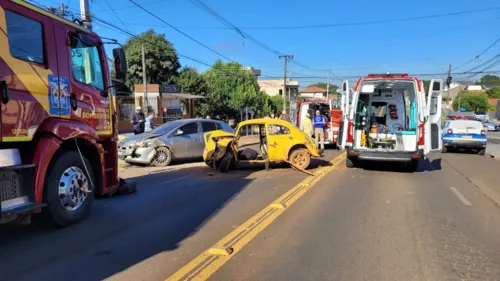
point(167, 127)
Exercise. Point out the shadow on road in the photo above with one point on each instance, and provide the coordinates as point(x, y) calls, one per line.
point(424, 165)
point(123, 230)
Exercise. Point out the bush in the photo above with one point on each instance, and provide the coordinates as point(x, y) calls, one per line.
point(471, 102)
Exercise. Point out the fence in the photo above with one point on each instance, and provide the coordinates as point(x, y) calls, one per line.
point(126, 106)
point(150, 105)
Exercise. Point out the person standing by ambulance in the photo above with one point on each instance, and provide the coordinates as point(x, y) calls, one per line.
point(319, 130)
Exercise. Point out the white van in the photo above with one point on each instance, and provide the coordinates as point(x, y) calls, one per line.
point(390, 119)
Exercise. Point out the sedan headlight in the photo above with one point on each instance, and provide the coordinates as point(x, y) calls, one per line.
point(144, 143)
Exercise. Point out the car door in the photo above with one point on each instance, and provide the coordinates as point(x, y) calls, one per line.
point(278, 140)
point(185, 138)
point(433, 139)
point(344, 105)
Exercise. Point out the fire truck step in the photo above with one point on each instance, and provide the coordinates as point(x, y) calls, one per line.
point(25, 208)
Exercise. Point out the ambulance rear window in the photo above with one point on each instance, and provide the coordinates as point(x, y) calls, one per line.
point(25, 38)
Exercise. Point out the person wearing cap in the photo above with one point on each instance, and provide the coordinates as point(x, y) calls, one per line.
point(319, 130)
point(138, 120)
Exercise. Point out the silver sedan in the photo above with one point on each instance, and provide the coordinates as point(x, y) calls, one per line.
point(178, 139)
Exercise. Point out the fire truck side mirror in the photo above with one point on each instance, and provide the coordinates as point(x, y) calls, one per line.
point(120, 64)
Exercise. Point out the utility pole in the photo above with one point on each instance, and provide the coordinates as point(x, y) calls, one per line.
point(328, 84)
point(144, 81)
point(448, 83)
point(286, 57)
point(85, 14)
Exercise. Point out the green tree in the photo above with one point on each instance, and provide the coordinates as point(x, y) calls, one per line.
point(332, 90)
point(494, 93)
point(230, 89)
point(489, 80)
point(162, 63)
point(191, 82)
point(471, 102)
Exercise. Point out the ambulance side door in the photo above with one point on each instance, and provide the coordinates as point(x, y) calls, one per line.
point(433, 140)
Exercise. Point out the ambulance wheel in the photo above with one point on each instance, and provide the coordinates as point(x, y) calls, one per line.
point(350, 162)
point(444, 150)
point(226, 162)
point(68, 189)
point(481, 152)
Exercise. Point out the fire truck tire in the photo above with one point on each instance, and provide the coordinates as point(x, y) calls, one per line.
point(67, 190)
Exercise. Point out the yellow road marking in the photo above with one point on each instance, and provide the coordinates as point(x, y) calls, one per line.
point(208, 262)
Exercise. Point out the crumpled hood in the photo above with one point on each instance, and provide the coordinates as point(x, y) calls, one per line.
point(135, 138)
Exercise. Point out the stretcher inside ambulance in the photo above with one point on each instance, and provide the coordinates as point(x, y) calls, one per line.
point(329, 109)
point(391, 120)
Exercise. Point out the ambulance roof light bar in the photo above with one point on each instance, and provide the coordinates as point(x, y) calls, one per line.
point(371, 75)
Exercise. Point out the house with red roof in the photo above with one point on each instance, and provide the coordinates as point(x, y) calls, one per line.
point(313, 92)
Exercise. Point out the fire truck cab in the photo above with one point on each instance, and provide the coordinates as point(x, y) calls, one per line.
point(391, 119)
point(58, 145)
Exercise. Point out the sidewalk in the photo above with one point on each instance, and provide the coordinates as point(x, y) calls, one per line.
point(481, 172)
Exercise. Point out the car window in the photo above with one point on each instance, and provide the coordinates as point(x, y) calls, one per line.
point(86, 63)
point(208, 126)
point(274, 129)
point(189, 129)
point(467, 124)
point(165, 128)
point(25, 38)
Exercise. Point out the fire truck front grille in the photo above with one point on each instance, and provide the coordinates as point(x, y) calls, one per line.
point(9, 185)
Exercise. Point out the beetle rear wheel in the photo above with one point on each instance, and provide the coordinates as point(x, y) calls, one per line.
point(300, 158)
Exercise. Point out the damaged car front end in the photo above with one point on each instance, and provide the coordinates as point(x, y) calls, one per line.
point(140, 151)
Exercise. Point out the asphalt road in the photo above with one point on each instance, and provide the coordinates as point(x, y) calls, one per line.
point(381, 223)
point(176, 213)
point(373, 223)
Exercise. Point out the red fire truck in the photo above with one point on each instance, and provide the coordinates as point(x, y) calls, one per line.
point(329, 108)
point(58, 144)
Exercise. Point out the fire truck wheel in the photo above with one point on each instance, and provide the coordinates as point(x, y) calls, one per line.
point(162, 158)
point(68, 189)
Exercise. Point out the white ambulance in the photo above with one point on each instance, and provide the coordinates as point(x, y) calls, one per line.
point(391, 119)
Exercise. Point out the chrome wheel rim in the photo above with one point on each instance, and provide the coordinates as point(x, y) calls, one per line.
point(73, 188)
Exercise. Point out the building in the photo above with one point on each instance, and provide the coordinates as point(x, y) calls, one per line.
point(255, 72)
point(313, 92)
point(273, 87)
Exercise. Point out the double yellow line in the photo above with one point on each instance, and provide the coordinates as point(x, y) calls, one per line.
point(207, 263)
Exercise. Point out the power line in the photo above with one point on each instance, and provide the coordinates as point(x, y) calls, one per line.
point(116, 15)
point(346, 24)
point(200, 4)
point(482, 53)
point(180, 31)
point(378, 21)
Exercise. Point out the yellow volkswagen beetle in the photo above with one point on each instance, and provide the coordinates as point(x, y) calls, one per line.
point(259, 141)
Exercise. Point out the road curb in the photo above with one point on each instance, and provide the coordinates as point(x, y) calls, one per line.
point(493, 156)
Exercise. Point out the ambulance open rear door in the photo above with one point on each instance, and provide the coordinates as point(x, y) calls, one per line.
point(344, 105)
point(432, 129)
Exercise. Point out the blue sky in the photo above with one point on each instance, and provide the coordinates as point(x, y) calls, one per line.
point(420, 46)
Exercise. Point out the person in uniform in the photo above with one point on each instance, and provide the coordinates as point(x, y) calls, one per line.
point(319, 130)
